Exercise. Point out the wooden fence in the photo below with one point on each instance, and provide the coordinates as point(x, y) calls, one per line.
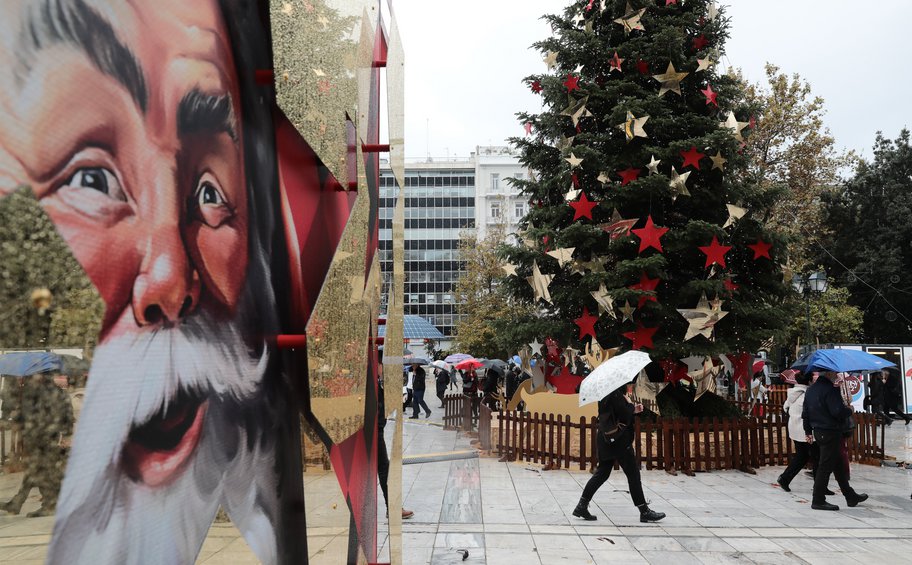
point(675, 445)
point(458, 415)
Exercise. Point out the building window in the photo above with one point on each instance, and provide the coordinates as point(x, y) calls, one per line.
point(495, 210)
point(519, 210)
point(495, 182)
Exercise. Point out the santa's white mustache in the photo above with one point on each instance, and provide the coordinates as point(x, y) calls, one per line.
point(134, 377)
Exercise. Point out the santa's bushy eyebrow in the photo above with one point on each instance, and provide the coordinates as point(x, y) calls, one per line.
point(75, 23)
point(199, 112)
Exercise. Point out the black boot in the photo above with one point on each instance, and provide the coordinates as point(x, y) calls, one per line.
point(647, 515)
point(582, 510)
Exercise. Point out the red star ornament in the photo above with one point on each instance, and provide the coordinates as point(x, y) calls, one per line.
point(710, 95)
point(528, 127)
point(572, 83)
point(586, 324)
point(565, 382)
point(761, 249)
point(583, 207)
point(730, 285)
point(537, 87)
point(615, 63)
point(700, 42)
point(589, 5)
point(671, 2)
point(674, 371)
point(575, 180)
point(692, 157)
point(650, 236)
point(646, 284)
point(642, 337)
point(715, 253)
point(629, 175)
point(643, 67)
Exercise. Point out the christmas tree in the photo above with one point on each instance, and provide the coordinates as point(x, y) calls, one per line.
point(645, 230)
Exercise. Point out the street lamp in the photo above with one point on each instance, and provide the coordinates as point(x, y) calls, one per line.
point(815, 283)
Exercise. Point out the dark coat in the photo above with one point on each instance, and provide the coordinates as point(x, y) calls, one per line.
point(876, 390)
point(442, 379)
point(623, 411)
point(418, 380)
point(824, 409)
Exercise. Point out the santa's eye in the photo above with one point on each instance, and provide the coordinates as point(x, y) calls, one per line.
point(98, 178)
point(210, 206)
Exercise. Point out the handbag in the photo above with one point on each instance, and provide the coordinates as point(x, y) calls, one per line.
point(612, 429)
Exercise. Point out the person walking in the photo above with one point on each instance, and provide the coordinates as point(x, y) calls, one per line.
point(407, 403)
point(615, 444)
point(893, 396)
point(489, 389)
point(383, 463)
point(794, 407)
point(825, 418)
point(877, 396)
point(45, 414)
point(470, 389)
point(442, 380)
point(418, 388)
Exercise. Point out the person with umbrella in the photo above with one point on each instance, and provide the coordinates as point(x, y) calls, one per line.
point(611, 384)
point(470, 381)
point(418, 388)
point(826, 417)
point(441, 378)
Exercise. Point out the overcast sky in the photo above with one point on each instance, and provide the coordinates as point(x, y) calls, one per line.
point(465, 61)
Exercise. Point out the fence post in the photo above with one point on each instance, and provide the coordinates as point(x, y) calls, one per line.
point(582, 443)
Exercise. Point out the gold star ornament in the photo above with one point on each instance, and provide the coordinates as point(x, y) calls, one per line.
point(627, 311)
point(718, 161)
point(701, 320)
point(734, 125)
point(735, 213)
point(577, 111)
point(573, 160)
point(540, 283)
point(563, 255)
point(604, 300)
point(551, 59)
point(631, 20)
point(678, 184)
point(653, 165)
point(671, 80)
point(509, 269)
point(633, 126)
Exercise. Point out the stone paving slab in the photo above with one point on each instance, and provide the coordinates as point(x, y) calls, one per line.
point(516, 513)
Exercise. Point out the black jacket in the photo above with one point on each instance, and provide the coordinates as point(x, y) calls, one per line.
point(824, 409)
point(418, 380)
point(623, 412)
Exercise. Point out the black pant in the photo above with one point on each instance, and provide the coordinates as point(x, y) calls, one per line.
point(418, 401)
point(631, 468)
point(830, 463)
point(799, 460)
point(894, 405)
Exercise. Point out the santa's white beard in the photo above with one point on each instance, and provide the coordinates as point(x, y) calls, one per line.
point(103, 515)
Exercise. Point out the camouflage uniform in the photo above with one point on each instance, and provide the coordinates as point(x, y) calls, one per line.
point(45, 415)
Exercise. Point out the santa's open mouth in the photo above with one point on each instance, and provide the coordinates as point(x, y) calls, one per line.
point(157, 450)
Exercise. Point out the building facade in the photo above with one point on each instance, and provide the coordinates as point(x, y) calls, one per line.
point(497, 200)
point(443, 202)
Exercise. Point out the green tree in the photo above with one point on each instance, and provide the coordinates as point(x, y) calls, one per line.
point(792, 154)
point(870, 244)
point(34, 256)
point(833, 319)
point(483, 306)
point(621, 126)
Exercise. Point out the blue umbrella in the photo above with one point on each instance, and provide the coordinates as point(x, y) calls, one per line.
point(29, 363)
point(841, 361)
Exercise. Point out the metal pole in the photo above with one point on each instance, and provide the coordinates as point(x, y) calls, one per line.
point(807, 302)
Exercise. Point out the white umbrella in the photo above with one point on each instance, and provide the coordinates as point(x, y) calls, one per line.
point(612, 375)
point(440, 365)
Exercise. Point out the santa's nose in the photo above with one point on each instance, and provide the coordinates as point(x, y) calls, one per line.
point(167, 288)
